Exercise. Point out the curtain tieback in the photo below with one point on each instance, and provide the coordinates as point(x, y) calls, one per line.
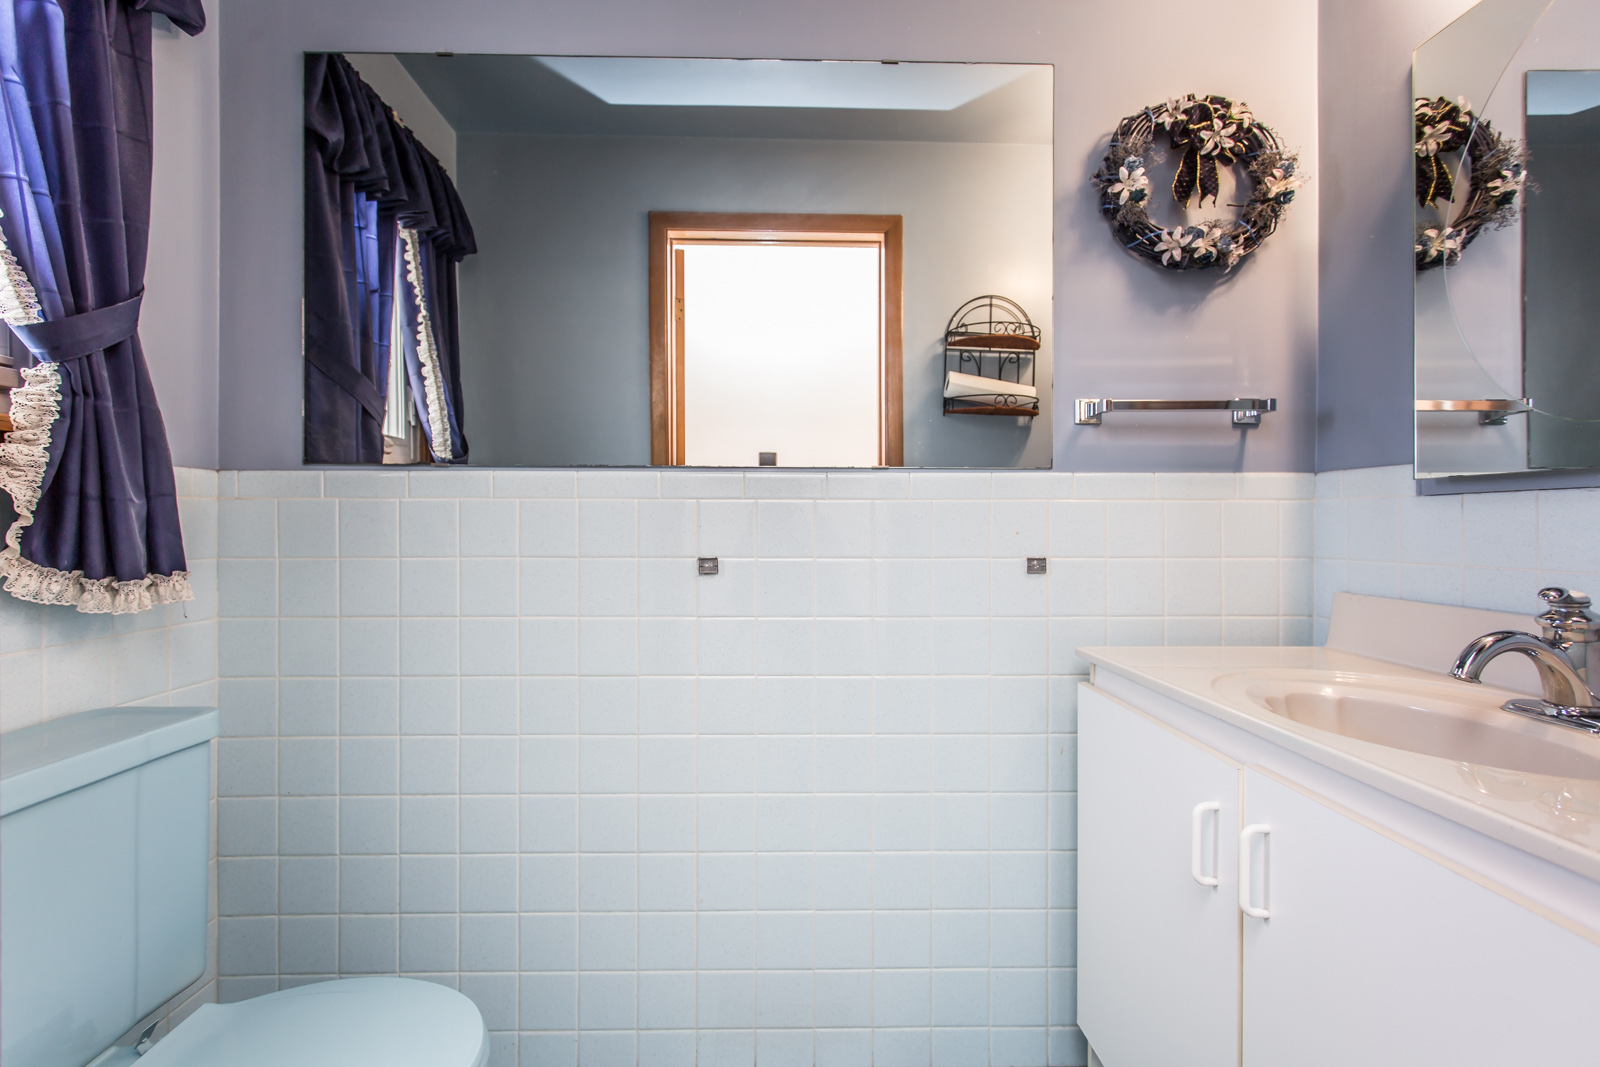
point(83, 334)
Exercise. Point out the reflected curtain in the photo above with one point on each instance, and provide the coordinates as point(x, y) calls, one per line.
point(87, 467)
point(376, 200)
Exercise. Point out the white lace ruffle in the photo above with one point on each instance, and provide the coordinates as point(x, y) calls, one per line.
point(428, 352)
point(24, 457)
point(26, 580)
point(19, 304)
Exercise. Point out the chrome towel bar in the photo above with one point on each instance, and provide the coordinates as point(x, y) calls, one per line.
point(1246, 411)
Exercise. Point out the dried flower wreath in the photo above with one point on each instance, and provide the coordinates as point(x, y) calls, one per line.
point(1496, 172)
point(1210, 132)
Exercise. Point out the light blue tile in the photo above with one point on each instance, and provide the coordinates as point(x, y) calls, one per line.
point(488, 587)
point(247, 946)
point(308, 944)
point(368, 765)
point(488, 883)
point(428, 943)
point(248, 588)
point(489, 824)
point(246, 767)
point(248, 708)
point(359, 483)
point(488, 646)
point(247, 648)
point(307, 767)
point(368, 944)
point(368, 528)
point(247, 528)
point(488, 527)
point(428, 824)
point(308, 647)
point(247, 826)
point(368, 885)
point(428, 705)
point(369, 587)
point(308, 528)
point(427, 528)
point(428, 587)
point(490, 705)
point(308, 587)
point(368, 825)
point(428, 765)
point(552, 483)
point(307, 707)
point(428, 647)
point(308, 825)
point(428, 884)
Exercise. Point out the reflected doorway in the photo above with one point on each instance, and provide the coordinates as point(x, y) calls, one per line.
point(775, 340)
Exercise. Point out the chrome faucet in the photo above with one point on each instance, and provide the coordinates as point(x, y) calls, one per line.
point(1566, 653)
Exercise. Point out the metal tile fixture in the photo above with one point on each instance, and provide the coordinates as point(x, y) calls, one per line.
point(708, 564)
point(1036, 565)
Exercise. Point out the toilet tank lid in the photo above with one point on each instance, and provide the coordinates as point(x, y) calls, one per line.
point(44, 761)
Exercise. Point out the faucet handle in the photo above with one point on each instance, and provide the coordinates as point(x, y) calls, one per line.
point(1567, 619)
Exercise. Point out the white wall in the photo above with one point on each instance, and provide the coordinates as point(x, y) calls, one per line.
point(1128, 325)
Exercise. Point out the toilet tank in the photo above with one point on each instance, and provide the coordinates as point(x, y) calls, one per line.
point(105, 834)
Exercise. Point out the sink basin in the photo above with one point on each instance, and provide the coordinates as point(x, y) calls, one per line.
point(1447, 719)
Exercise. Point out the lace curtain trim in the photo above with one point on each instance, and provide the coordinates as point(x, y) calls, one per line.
point(24, 457)
point(428, 352)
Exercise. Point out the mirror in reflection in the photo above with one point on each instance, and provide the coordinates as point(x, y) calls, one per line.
point(1505, 363)
point(631, 261)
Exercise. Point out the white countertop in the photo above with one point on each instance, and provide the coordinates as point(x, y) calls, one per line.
point(1557, 819)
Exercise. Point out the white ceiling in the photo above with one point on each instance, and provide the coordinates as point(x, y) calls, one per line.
point(1562, 92)
point(784, 83)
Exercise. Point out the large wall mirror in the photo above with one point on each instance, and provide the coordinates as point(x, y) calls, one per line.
point(569, 261)
point(1508, 149)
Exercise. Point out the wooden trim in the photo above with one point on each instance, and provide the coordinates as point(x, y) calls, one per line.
point(666, 324)
point(678, 344)
point(893, 396)
point(660, 347)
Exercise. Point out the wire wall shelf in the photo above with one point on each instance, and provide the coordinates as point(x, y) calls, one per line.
point(990, 359)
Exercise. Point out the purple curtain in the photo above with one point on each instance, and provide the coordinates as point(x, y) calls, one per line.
point(88, 468)
point(367, 179)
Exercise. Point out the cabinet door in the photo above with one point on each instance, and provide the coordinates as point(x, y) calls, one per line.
point(1376, 954)
point(1158, 953)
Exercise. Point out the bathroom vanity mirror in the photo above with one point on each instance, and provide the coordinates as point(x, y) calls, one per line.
point(703, 262)
point(1507, 143)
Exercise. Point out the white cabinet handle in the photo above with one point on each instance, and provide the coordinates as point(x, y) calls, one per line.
point(1196, 838)
point(1253, 830)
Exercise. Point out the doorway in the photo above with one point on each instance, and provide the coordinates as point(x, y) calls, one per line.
point(775, 340)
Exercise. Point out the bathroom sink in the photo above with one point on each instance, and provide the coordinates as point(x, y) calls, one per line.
point(1450, 720)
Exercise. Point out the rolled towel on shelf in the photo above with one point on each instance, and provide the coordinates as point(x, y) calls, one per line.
point(975, 388)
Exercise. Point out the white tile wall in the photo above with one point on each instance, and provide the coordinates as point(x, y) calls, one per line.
point(492, 728)
point(1484, 550)
point(57, 661)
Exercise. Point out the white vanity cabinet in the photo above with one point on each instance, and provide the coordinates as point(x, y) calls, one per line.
point(1373, 951)
point(1158, 952)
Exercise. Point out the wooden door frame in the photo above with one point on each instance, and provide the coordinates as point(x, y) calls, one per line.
point(666, 357)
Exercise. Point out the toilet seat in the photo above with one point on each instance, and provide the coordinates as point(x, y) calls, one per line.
point(352, 1022)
